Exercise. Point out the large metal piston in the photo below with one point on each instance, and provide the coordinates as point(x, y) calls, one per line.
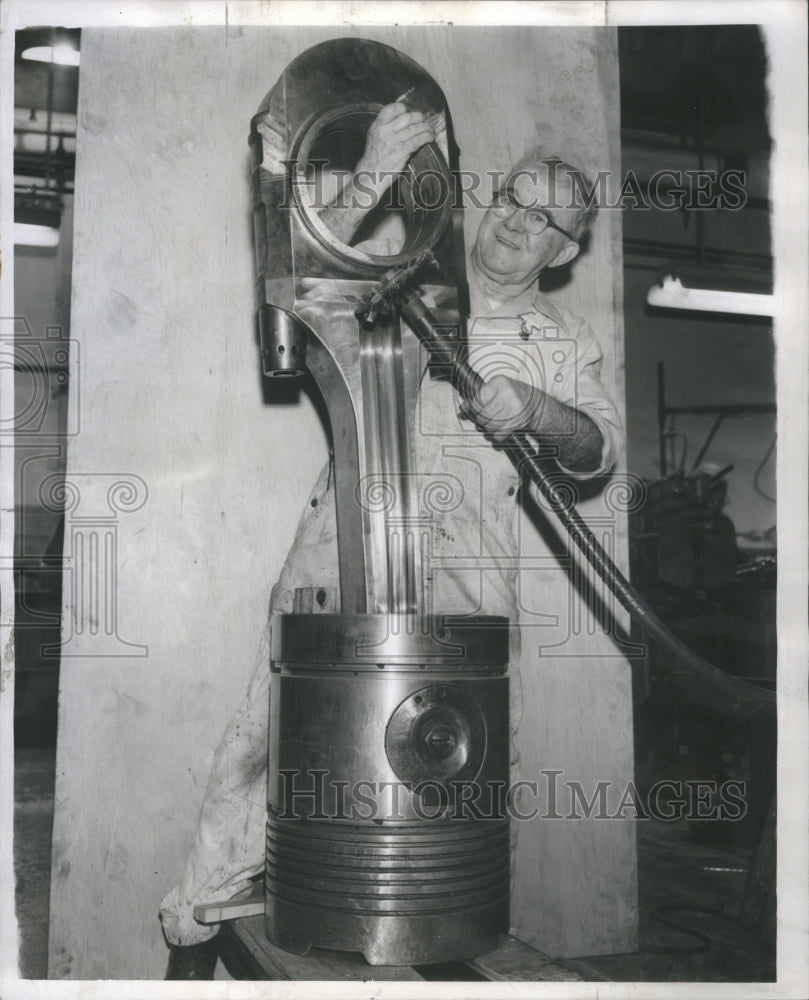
point(389, 725)
point(386, 831)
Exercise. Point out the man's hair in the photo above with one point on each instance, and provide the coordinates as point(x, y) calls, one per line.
point(559, 168)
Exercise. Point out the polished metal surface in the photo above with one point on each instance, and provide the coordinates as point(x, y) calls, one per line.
point(283, 342)
point(319, 112)
point(438, 733)
point(332, 732)
point(385, 642)
point(394, 523)
point(320, 109)
point(345, 127)
point(325, 368)
point(390, 939)
point(386, 831)
point(389, 728)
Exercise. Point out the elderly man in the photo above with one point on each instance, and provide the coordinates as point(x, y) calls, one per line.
point(541, 368)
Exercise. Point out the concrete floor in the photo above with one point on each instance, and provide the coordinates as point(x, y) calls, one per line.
point(676, 869)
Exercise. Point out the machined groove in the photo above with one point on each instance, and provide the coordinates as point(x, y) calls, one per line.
point(450, 836)
point(397, 881)
point(386, 868)
point(358, 903)
point(363, 861)
point(402, 888)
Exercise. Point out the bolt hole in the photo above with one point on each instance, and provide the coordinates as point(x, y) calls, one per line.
point(418, 699)
point(281, 348)
point(320, 597)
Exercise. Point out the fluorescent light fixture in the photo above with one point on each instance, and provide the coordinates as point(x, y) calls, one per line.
point(27, 235)
point(672, 294)
point(62, 55)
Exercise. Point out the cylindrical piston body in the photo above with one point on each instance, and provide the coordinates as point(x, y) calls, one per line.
point(387, 832)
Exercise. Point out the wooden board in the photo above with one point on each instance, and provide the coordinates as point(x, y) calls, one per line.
point(515, 962)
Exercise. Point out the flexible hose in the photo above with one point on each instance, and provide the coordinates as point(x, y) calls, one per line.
point(703, 681)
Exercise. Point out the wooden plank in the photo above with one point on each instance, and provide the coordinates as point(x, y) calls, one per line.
point(515, 962)
point(215, 913)
point(270, 962)
point(315, 600)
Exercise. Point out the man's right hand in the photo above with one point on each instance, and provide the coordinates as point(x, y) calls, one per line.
point(394, 136)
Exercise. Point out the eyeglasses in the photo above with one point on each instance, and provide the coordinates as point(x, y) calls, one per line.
point(534, 220)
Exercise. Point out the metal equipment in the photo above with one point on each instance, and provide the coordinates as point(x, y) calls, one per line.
point(386, 718)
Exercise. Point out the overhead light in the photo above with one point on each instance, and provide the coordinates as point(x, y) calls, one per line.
point(28, 235)
point(62, 55)
point(50, 45)
point(676, 291)
point(37, 218)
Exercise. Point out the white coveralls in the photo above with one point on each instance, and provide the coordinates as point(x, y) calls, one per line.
point(469, 493)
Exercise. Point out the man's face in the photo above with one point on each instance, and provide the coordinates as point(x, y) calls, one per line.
point(506, 251)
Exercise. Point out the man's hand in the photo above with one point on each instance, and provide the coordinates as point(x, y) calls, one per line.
point(503, 406)
point(394, 136)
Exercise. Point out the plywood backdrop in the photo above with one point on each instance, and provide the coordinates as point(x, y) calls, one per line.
point(185, 484)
